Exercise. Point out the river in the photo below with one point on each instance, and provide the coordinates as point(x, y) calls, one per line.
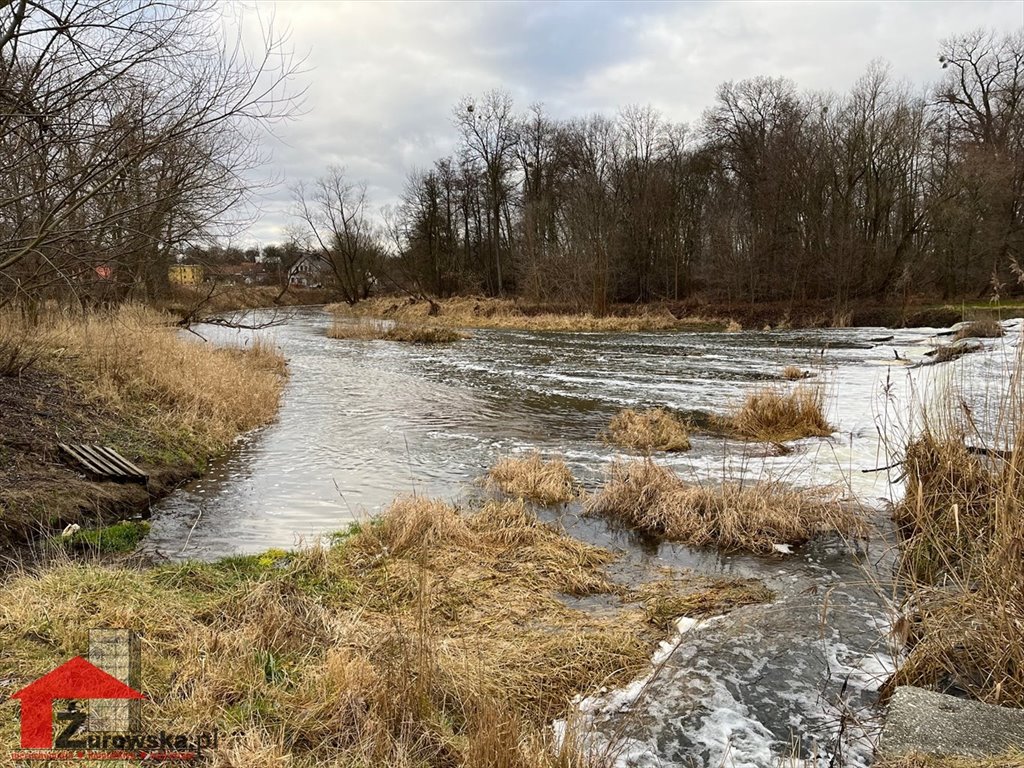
point(363, 421)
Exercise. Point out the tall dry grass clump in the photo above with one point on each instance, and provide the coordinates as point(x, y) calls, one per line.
point(426, 638)
point(531, 477)
point(961, 567)
point(754, 517)
point(795, 373)
point(655, 429)
point(135, 362)
point(775, 414)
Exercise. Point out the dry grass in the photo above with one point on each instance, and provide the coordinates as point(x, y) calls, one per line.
point(134, 362)
point(403, 332)
point(427, 638)
point(795, 373)
point(532, 478)
point(754, 517)
point(480, 312)
point(980, 329)
point(961, 527)
point(655, 429)
point(125, 378)
point(775, 415)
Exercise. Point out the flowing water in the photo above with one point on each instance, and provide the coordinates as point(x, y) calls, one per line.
point(363, 421)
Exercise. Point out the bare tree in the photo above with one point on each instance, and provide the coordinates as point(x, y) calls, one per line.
point(128, 128)
point(488, 127)
point(335, 225)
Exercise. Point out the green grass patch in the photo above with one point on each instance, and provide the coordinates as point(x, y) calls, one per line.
point(120, 538)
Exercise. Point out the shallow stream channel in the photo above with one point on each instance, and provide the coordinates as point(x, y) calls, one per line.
point(776, 684)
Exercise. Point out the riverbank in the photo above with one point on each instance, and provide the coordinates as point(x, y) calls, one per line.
point(432, 636)
point(693, 315)
point(122, 378)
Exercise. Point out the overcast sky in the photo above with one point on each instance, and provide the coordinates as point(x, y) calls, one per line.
point(382, 77)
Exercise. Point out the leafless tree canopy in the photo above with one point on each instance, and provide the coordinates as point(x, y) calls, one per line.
point(126, 131)
point(771, 195)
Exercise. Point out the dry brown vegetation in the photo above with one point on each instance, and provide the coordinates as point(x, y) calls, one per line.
point(961, 523)
point(774, 414)
point(426, 638)
point(481, 312)
point(531, 477)
point(795, 373)
point(655, 429)
point(126, 378)
point(644, 496)
point(403, 332)
point(980, 329)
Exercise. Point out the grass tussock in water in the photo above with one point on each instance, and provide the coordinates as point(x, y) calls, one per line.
point(403, 332)
point(428, 637)
point(980, 329)
point(481, 312)
point(776, 414)
point(795, 373)
point(961, 568)
point(753, 517)
point(531, 477)
point(655, 429)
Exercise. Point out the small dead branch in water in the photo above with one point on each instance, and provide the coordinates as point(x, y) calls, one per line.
point(754, 517)
point(655, 429)
point(532, 478)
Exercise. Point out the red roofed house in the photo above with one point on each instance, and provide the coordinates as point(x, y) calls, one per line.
point(74, 679)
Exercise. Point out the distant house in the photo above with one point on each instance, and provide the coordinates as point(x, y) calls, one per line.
point(185, 274)
point(308, 272)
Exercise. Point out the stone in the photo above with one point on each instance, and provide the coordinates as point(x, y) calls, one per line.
point(930, 723)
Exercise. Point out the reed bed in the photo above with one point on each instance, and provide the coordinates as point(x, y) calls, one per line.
point(655, 429)
point(755, 517)
point(961, 525)
point(481, 312)
point(531, 477)
point(428, 637)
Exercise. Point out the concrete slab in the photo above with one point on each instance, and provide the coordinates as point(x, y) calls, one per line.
point(932, 723)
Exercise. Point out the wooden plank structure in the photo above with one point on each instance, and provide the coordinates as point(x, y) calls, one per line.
point(104, 462)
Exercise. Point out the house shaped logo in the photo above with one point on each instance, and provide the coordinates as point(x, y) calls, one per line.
point(74, 679)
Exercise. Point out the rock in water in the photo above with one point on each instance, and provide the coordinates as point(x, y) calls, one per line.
point(930, 723)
